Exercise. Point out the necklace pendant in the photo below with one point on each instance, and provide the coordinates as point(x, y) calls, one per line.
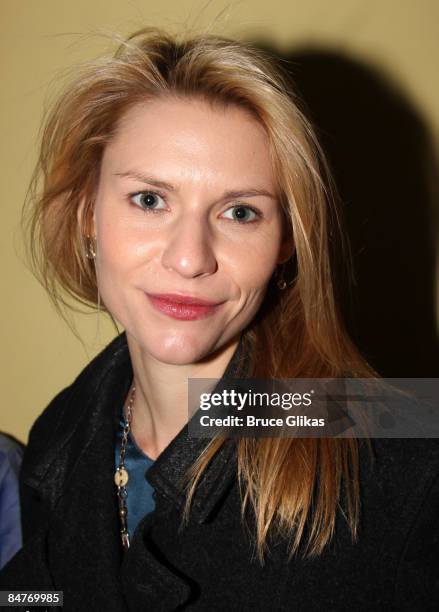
point(121, 477)
point(125, 540)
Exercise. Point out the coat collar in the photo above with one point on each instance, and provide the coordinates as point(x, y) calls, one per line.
point(167, 472)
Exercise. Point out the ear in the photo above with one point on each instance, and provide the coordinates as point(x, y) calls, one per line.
point(286, 250)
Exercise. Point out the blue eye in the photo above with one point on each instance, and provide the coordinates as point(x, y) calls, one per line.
point(146, 200)
point(241, 214)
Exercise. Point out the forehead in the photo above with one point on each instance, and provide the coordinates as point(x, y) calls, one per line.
point(191, 135)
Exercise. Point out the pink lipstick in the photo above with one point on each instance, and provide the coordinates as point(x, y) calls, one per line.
point(182, 307)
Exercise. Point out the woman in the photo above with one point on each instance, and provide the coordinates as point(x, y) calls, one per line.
point(185, 194)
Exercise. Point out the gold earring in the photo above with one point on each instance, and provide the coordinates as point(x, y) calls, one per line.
point(281, 283)
point(90, 251)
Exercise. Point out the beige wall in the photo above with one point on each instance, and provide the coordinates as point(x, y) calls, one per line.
point(41, 37)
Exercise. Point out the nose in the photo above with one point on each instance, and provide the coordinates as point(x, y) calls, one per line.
point(189, 249)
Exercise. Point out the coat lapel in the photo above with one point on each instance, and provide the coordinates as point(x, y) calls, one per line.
point(83, 537)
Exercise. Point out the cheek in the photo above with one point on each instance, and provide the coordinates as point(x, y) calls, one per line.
point(112, 255)
point(253, 265)
point(114, 259)
point(116, 246)
point(252, 281)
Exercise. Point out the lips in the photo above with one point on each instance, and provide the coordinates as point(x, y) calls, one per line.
point(182, 299)
point(187, 308)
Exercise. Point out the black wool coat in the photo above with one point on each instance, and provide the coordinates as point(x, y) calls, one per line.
point(71, 527)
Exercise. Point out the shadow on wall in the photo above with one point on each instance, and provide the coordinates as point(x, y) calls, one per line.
point(383, 161)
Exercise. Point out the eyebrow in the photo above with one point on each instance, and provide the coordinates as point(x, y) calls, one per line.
point(150, 180)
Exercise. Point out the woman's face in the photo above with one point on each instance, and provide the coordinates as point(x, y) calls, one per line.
point(186, 204)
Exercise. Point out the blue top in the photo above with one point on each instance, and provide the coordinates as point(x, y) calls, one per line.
point(140, 501)
point(10, 527)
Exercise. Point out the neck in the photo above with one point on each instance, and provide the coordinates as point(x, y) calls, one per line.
point(160, 408)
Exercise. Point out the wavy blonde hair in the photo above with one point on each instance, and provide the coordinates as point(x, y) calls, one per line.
point(296, 333)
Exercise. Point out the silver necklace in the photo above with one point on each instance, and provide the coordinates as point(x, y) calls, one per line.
point(121, 474)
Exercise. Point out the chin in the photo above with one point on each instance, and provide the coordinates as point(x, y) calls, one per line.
point(175, 349)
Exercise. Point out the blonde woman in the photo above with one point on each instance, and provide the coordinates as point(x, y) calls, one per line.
point(184, 193)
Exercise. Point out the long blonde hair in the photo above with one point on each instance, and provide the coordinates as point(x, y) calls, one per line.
point(297, 332)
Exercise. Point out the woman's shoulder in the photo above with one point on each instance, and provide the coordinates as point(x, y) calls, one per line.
point(400, 489)
point(399, 459)
point(399, 467)
point(400, 508)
